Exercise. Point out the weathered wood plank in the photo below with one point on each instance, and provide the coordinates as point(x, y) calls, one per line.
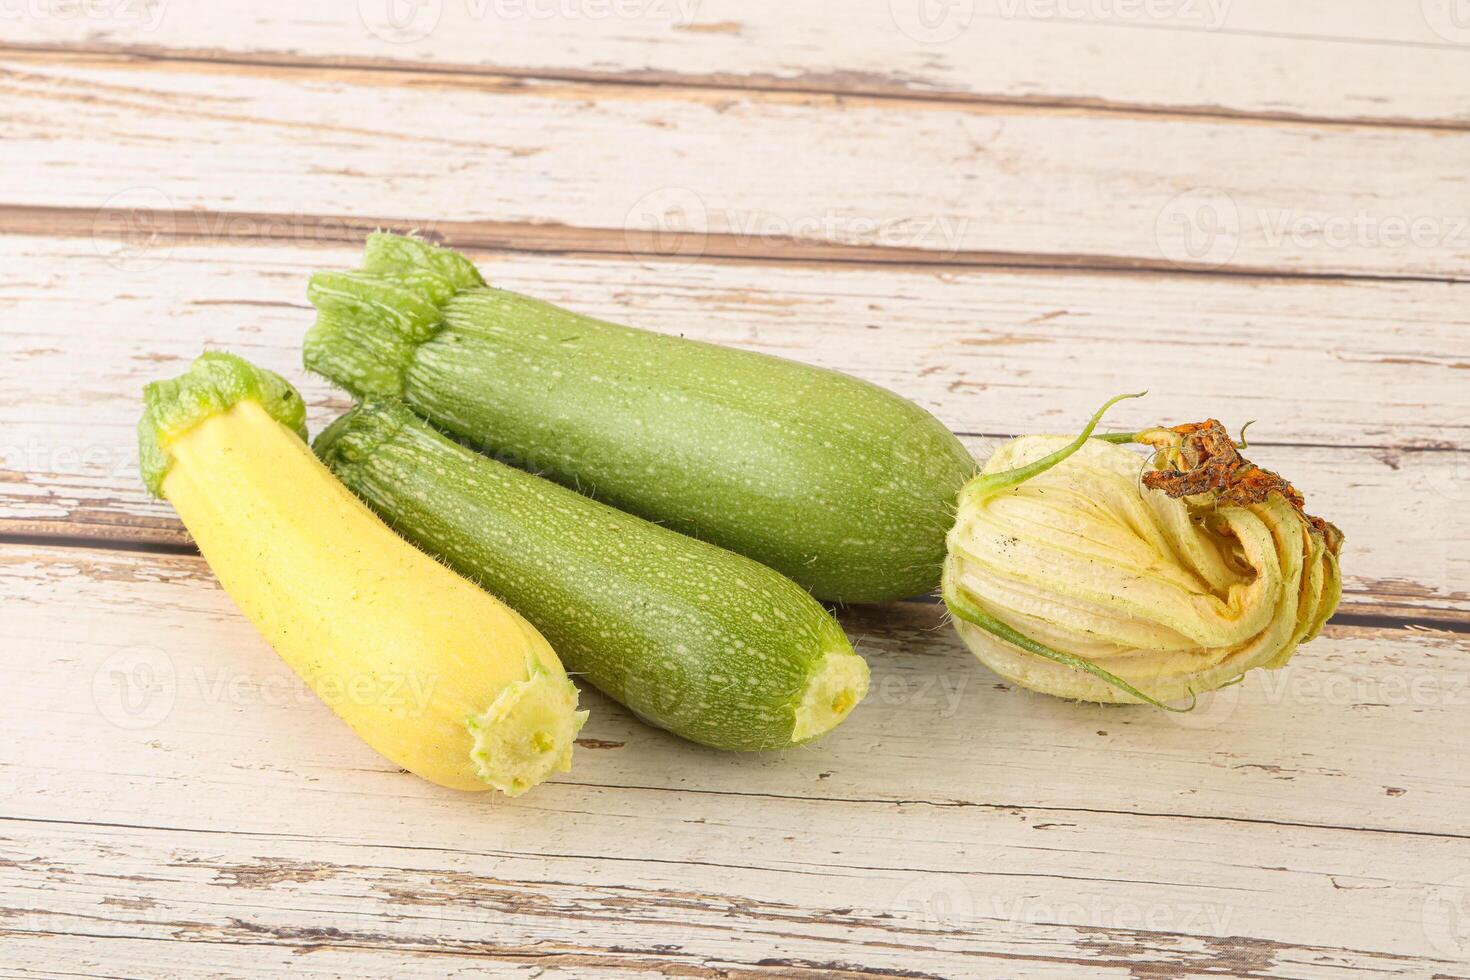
point(166, 778)
point(1356, 385)
point(35, 954)
point(373, 906)
point(1348, 60)
point(684, 169)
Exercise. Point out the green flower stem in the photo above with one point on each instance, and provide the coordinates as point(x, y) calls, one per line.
point(987, 485)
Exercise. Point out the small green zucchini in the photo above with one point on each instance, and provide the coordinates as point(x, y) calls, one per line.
point(706, 643)
point(843, 486)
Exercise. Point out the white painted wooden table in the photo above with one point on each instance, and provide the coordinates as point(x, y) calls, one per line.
point(1004, 209)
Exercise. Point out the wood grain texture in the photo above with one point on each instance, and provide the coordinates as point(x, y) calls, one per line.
point(167, 779)
point(1342, 60)
point(684, 169)
point(1354, 385)
point(1010, 213)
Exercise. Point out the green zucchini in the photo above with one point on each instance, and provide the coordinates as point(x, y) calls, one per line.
point(841, 485)
point(706, 643)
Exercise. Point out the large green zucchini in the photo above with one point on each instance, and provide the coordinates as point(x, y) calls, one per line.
point(704, 642)
point(841, 485)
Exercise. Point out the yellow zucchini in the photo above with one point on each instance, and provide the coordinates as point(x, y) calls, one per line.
point(432, 672)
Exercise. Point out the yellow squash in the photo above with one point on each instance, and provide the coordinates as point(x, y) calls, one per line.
point(431, 671)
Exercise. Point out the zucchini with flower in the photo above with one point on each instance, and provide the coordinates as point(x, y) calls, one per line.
point(437, 675)
point(1083, 569)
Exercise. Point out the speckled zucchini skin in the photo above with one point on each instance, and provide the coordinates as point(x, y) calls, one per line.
point(708, 644)
point(841, 485)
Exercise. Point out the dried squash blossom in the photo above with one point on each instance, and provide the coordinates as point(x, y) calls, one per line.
point(1083, 569)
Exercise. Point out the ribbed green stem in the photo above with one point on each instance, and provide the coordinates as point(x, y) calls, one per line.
point(212, 384)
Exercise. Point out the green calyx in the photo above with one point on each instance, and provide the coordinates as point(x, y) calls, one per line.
point(214, 383)
point(370, 321)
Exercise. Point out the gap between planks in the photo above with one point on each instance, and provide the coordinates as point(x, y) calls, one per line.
point(870, 86)
point(1229, 954)
point(308, 940)
point(236, 227)
point(1356, 609)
